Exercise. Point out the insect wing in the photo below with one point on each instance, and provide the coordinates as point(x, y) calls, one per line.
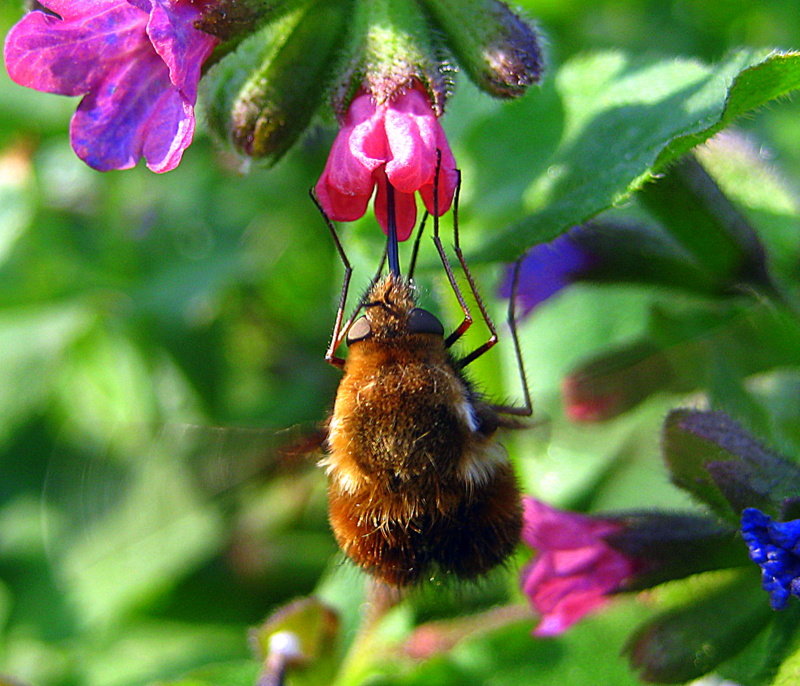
point(119, 529)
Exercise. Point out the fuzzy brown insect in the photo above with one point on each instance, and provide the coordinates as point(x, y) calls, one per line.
point(417, 482)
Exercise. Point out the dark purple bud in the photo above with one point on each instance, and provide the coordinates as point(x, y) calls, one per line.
point(672, 546)
point(500, 51)
point(722, 465)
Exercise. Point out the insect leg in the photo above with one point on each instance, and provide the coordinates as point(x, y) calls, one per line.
point(527, 409)
point(475, 354)
point(339, 331)
point(415, 250)
point(448, 270)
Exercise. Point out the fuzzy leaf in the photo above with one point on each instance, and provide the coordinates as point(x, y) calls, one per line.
point(621, 121)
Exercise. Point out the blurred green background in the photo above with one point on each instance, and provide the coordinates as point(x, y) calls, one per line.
point(159, 334)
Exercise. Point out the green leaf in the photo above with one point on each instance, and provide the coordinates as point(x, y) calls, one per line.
point(688, 641)
point(760, 661)
point(33, 341)
point(619, 121)
point(240, 673)
point(789, 672)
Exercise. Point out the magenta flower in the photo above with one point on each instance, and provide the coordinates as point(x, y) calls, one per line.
point(574, 569)
point(137, 64)
point(389, 143)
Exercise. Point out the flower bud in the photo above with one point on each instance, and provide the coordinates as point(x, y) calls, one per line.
point(582, 559)
point(723, 466)
point(263, 96)
point(390, 47)
point(574, 569)
point(603, 252)
point(498, 49)
point(614, 382)
point(688, 641)
point(302, 633)
point(670, 545)
point(690, 204)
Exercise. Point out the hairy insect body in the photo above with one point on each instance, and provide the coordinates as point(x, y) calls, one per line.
point(416, 481)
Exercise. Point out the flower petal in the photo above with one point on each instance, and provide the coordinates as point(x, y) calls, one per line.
point(448, 177)
point(70, 56)
point(412, 145)
point(574, 569)
point(134, 112)
point(182, 47)
point(405, 206)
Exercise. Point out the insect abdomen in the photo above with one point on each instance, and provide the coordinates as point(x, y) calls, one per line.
point(401, 540)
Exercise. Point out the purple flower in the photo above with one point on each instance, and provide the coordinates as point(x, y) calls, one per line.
point(546, 269)
point(775, 547)
point(137, 64)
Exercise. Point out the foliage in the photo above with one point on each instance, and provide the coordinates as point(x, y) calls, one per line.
point(159, 333)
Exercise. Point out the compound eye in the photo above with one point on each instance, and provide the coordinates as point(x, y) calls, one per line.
point(359, 331)
point(422, 321)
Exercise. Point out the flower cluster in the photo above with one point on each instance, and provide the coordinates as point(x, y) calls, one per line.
point(399, 143)
point(775, 548)
point(581, 561)
point(138, 63)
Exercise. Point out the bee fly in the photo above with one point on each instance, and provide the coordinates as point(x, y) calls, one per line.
point(417, 482)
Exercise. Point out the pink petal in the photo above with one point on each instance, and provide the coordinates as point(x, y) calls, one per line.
point(405, 206)
point(567, 614)
point(548, 528)
point(70, 56)
point(343, 174)
point(182, 47)
point(367, 142)
point(412, 142)
point(574, 570)
point(448, 177)
point(135, 112)
point(340, 207)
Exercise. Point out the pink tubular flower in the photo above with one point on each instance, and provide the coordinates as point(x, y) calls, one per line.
point(137, 64)
point(389, 143)
point(574, 569)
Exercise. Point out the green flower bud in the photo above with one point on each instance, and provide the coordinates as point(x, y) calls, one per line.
point(690, 640)
point(232, 19)
point(304, 634)
point(692, 207)
point(262, 96)
point(498, 49)
point(390, 45)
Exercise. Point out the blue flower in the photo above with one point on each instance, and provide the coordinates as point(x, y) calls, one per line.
point(775, 547)
point(547, 269)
